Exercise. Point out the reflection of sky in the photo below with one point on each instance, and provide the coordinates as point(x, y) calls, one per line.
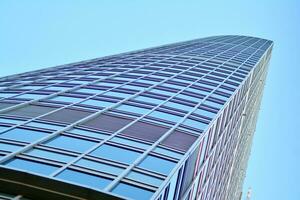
point(36, 35)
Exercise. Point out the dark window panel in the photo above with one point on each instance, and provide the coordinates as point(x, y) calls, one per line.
point(179, 140)
point(31, 111)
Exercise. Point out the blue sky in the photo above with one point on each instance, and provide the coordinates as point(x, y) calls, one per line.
point(39, 34)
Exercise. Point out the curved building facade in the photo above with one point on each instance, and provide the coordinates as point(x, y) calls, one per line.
point(164, 123)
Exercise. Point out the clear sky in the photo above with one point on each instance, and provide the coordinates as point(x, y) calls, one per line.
point(38, 34)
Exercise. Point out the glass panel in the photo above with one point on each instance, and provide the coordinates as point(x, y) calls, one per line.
point(7, 95)
point(195, 124)
point(178, 106)
point(84, 179)
point(205, 113)
point(89, 91)
point(44, 125)
point(32, 166)
point(32, 96)
point(191, 98)
point(118, 94)
point(10, 121)
point(156, 164)
point(50, 155)
point(116, 153)
point(93, 134)
point(130, 142)
point(163, 92)
point(23, 135)
point(66, 99)
point(134, 109)
point(132, 192)
point(143, 178)
point(213, 104)
point(9, 147)
point(165, 116)
point(2, 128)
point(96, 165)
point(70, 143)
point(167, 152)
point(149, 100)
point(98, 103)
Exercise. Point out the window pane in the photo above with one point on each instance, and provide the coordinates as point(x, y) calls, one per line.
point(205, 113)
point(149, 100)
point(31, 111)
point(50, 155)
point(97, 103)
point(156, 164)
point(178, 106)
point(165, 116)
point(23, 135)
point(10, 121)
point(96, 165)
point(70, 143)
point(9, 147)
point(116, 154)
point(118, 94)
point(93, 134)
point(134, 109)
point(84, 179)
point(32, 166)
point(143, 178)
point(167, 152)
point(132, 192)
point(130, 142)
point(44, 125)
point(32, 96)
point(195, 124)
point(89, 91)
point(66, 99)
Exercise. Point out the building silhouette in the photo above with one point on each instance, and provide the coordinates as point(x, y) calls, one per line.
point(164, 123)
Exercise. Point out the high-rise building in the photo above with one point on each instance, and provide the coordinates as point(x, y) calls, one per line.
point(164, 123)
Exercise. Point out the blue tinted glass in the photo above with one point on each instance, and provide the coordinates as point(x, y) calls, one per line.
point(96, 165)
point(134, 109)
point(156, 164)
point(70, 143)
point(165, 116)
point(108, 84)
point(164, 92)
point(6, 95)
point(31, 96)
point(50, 155)
point(167, 152)
point(66, 99)
point(98, 103)
point(132, 192)
point(9, 147)
point(31, 166)
point(205, 113)
point(118, 94)
point(10, 121)
point(116, 154)
point(149, 100)
point(2, 128)
point(84, 179)
point(23, 135)
point(213, 104)
point(56, 88)
point(89, 91)
point(178, 106)
point(44, 125)
point(134, 87)
point(143, 178)
point(31, 87)
point(191, 98)
point(130, 142)
point(195, 124)
point(93, 134)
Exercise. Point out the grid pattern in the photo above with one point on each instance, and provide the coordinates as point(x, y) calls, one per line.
point(160, 123)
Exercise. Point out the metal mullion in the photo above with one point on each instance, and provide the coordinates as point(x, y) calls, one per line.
point(226, 143)
point(166, 134)
point(114, 134)
point(5, 158)
point(139, 159)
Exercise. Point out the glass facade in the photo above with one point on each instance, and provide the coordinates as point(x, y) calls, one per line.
point(171, 122)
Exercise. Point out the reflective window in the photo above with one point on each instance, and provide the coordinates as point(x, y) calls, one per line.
point(9, 147)
point(149, 100)
point(134, 109)
point(31, 111)
point(163, 92)
point(2, 128)
point(56, 88)
point(143, 178)
point(195, 124)
point(66, 99)
point(84, 179)
point(118, 94)
point(23, 135)
point(89, 91)
point(31, 87)
point(133, 87)
point(99, 103)
point(44, 125)
point(10, 121)
point(213, 104)
point(132, 192)
point(178, 106)
point(96, 165)
point(116, 154)
point(156, 164)
point(205, 113)
point(130, 142)
point(167, 152)
point(32, 166)
point(7, 95)
point(32, 96)
point(93, 134)
point(70, 143)
point(50, 155)
point(191, 98)
point(165, 116)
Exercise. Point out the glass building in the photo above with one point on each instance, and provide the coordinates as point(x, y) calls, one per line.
point(170, 122)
